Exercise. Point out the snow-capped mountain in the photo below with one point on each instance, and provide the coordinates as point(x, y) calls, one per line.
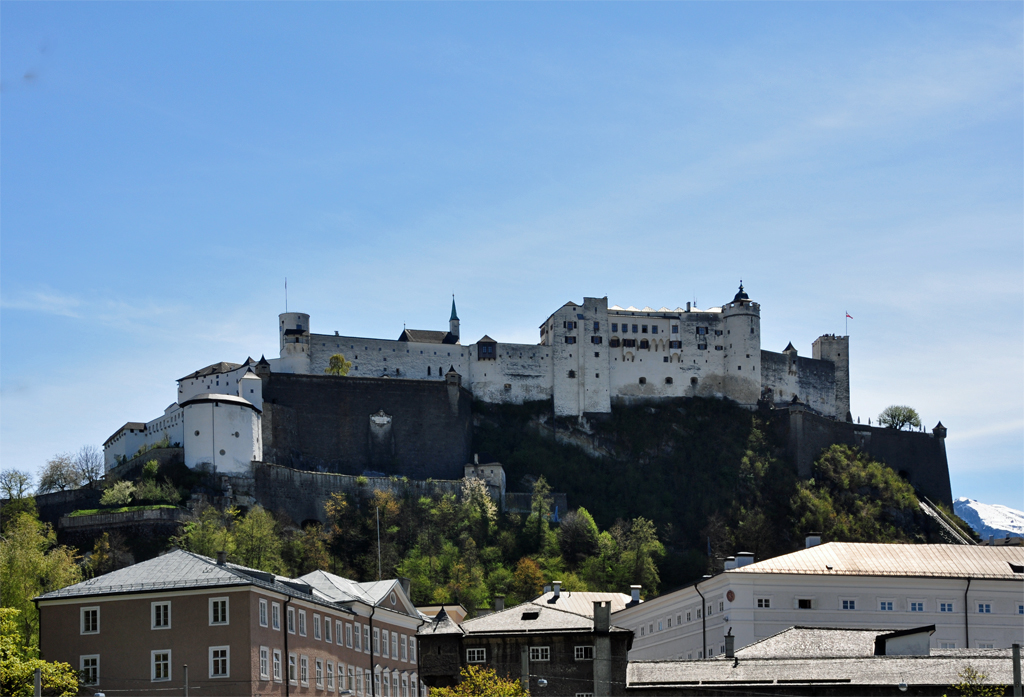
point(990, 519)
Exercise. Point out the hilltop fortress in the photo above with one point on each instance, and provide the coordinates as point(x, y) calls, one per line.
point(592, 355)
point(588, 357)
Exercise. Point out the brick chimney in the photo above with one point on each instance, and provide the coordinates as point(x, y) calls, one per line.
point(602, 616)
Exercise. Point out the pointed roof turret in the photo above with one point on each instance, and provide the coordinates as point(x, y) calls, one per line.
point(789, 347)
point(455, 315)
point(741, 295)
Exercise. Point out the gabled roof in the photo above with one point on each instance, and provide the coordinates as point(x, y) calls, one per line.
point(583, 603)
point(343, 590)
point(789, 347)
point(441, 624)
point(181, 570)
point(873, 559)
point(428, 336)
point(214, 369)
point(486, 340)
point(532, 617)
point(814, 642)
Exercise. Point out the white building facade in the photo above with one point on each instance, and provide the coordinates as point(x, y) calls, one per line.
point(974, 595)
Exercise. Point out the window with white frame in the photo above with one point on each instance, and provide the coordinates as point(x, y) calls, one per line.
point(339, 635)
point(405, 686)
point(275, 616)
point(945, 607)
point(348, 635)
point(292, 669)
point(376, 641)
point(291, 620)
point(263, 612)
point(330, 675)
point(394, 645)
point(316, 626)
point(328, 637)
point(359, 682)
point(264, 663)
point(986, 645)
point(917, 606)
point(318, 674)
point(405, 648)
point(540, 653)
point(679, 619)
point(412, 685)
point(1020, 609)
point(849, 604)
point(366, 639)
point(219, 662)
point(985, 608)
point(302, 623)
point(90, 620)
point(395, 684)
point(764, 603)
point(386, 686)
point(583, 653)
point(947, 644)
point(883, 606)
point(342, 684)
point(218, 611)
point(90, 669)
point(304, 670)
point(721, 606)
point(689, 617)
point(476, 655)
point(160, 615)
point(412, 649)
point(376, 683)
point(384, 642)
point(160, 665)
point(277, 665)
point(661, 625)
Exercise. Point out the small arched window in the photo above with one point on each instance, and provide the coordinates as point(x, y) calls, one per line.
point(668, 381)
point(693, 381)
point(572, 373)
point(643, 381)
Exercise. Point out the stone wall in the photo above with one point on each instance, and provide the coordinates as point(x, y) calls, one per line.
point(415, 428)
point(919, 457)
point(788, 375)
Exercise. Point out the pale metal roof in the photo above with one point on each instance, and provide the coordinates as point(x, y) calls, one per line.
point(814, 642)
point(583, 603)
point(874, 559)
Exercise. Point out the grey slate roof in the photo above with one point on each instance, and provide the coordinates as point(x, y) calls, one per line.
point(181, 570)
point(871, 559)
point(213, 369)
point(937, 670)
point(131, 425)
point(428, 336)
point(441, 624)
point(811, 642)
point(583, 603)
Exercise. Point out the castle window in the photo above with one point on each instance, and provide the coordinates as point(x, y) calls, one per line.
point(643, 381)
point(570, 340)
point(675, 328)
point(615, 327)
point(597, 354)
point(508, 387)
point(739, 367)
point(634, 329)
point(596, 339)
point(668, 381)
point(654, 329)
point(645, 344)
point(719, 348)
point(701, 331)
point(675, 344)
point(614, 342)
point(718, 332)
point(486, 351)
point(597, 326)
point(629, 343)
point(664, 359)
point(693, 381)
point(428, 370)
point(643, 329)
point(572, 373)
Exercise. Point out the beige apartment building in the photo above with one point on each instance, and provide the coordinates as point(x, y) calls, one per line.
point(228, 630)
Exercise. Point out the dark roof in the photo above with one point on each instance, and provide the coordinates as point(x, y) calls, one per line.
point(455, 315)
point(486, 340)
point(441, 624)
point(782, 675)
point(136, 425)
point(214, 369)
point(181, 570)
point(293, 332)
point(208, 397)
point(427, 336)
point(741, 295)
point(789, 347)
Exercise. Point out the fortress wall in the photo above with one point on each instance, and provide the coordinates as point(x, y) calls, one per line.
point(323, 422)
point(919, 457)
point(374, 358)
point(525, 368)
point(814, 381)
point(302, 495)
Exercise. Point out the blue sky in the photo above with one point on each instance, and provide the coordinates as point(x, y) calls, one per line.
point(166, 165)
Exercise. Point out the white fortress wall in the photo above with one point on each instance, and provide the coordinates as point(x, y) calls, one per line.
point(518, 373)
point(222, 434)
point(221, 383)
point(374, 358)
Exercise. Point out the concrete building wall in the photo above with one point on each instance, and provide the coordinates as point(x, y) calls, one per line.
point(789, 375)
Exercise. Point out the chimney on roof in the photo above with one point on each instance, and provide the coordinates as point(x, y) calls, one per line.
point(602, 615)
point(547, 589)
point(222, 558)
point(687, 306)
point(499, 602)
point(406, 585)
point(476, 458)
point(730, 563)
point(335, 332)
point(634, 592)
point(557, 588)
point(744, 558)
point(812, 539)
point(730, 644)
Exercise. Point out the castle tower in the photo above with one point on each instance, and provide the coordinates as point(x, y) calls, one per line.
point(453, 323)
point(837, 349)
point(741, 320)
point(293, 328)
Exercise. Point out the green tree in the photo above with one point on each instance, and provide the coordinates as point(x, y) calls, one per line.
point(15, 486)
point(480, 513)
point(972, 684)
point(477, 681)
point(899, 417)
point(18, 664)
point(208, 532)
point(109, 553)
point(257, 542)
point(59, 474)
point(31, 563)
point(338, 365)
point(89, 463)
point(118, 495)
point(577, 536)
point(529, 581)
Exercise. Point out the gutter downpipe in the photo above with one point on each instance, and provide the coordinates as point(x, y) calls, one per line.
point(373, 648)
point(703, 619)
point(967, 628)
point(287, 665)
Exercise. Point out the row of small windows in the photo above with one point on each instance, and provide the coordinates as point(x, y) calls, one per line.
point(161, 666)
point(350, 679)
point(537, 653)
point(159, 615)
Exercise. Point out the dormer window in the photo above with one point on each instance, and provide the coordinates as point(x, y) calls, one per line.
point(487, 351)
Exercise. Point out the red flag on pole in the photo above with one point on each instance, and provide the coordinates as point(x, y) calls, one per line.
point(849, 315)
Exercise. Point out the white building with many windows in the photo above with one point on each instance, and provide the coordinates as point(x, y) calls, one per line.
point(974, 595)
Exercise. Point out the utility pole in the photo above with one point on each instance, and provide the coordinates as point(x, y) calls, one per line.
point(378, 543)
point(1016, 671)
point(185, 671)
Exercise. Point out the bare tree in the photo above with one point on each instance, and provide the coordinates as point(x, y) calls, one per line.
point(89, 462)
point(60, 474)
point(15, 484)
